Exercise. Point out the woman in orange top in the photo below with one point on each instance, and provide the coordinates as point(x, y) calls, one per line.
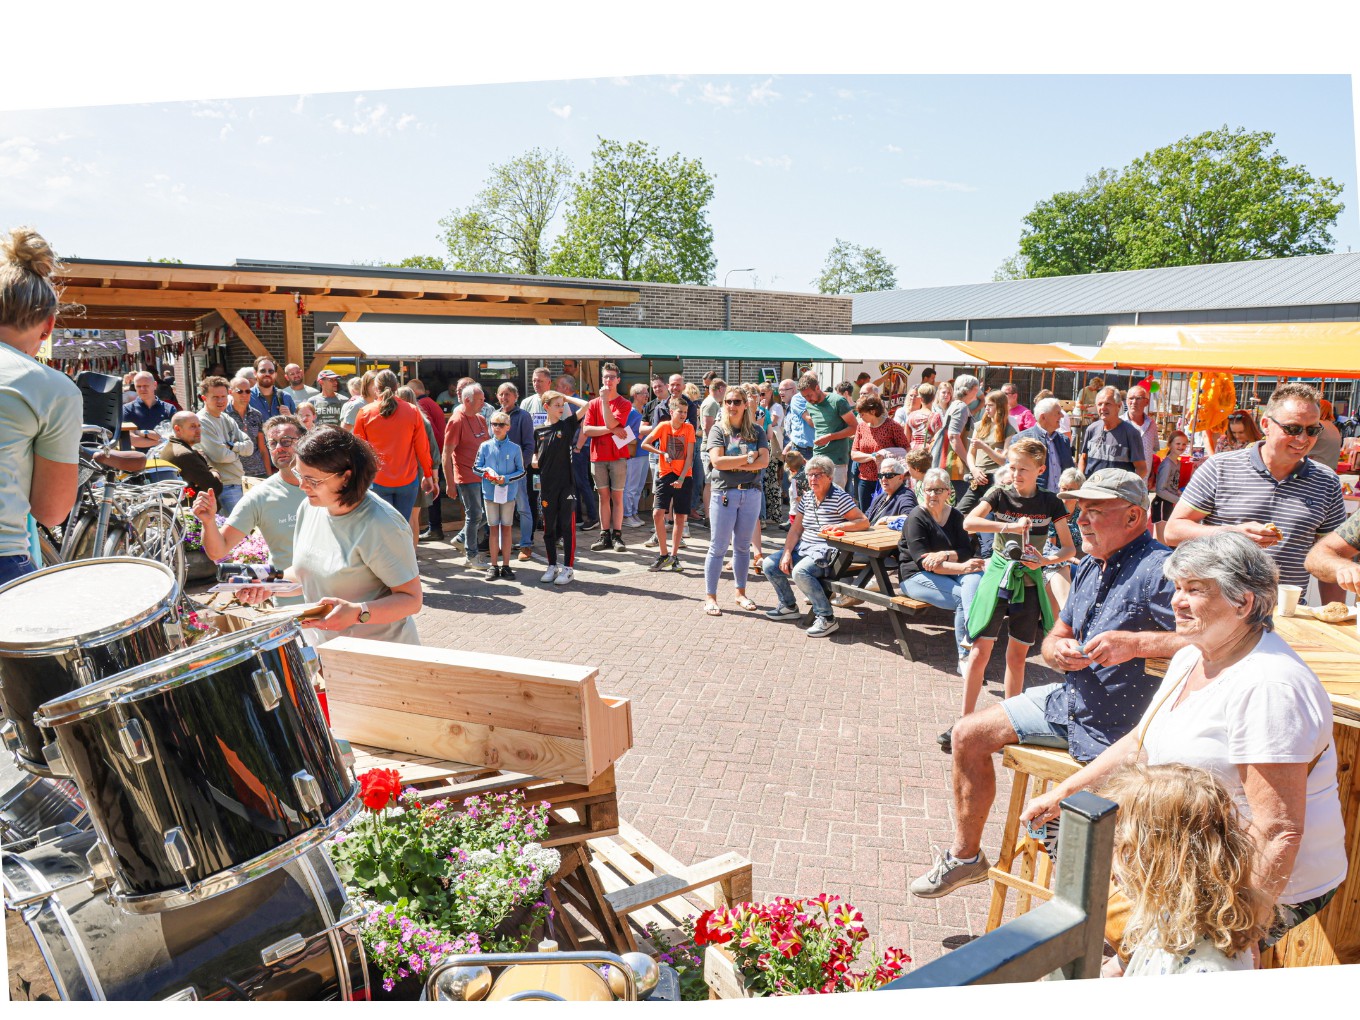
point(396, 431)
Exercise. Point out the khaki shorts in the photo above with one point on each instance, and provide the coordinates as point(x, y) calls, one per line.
point(609, 474)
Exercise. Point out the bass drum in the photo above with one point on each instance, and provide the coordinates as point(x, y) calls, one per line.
point(290, 935)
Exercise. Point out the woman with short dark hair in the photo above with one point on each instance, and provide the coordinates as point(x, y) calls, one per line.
point(352, 550)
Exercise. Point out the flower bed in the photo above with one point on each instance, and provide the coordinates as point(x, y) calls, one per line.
point(791, 947)
point(442, 879)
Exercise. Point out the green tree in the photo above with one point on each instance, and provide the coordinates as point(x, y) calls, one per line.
point(636, 216)
point(1220, 196)
point(167, 261)
point(852, 269)
point(419, 262)
point(1013, 267)
point(504, 229)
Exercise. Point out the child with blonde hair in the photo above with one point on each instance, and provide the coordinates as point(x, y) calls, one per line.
point(1184, 859)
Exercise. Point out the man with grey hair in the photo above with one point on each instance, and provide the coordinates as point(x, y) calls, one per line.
point(464, 433)
point(1117, 616)
point(1048, 416)
point(1110, 441)
point(1020, 415)
point(807, 557)
point(1272, 491)
point(952, 437)
point(146, 412)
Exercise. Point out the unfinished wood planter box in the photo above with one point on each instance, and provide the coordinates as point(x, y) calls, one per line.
point(722, 977)
point(530, 716)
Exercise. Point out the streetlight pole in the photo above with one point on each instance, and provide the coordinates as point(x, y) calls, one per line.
point(727, 297)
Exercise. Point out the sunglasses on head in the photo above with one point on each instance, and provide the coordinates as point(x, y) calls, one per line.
point(1294, 430)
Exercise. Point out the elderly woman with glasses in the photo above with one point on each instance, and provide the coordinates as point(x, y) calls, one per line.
point(352, 551)
point(935, 556)
point(1238, 702)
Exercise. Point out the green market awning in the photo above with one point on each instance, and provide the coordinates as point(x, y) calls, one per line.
point(719, 344)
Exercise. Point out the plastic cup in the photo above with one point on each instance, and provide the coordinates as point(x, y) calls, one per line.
point(1287, 598)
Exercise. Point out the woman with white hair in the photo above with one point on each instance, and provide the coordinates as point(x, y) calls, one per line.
point(1240, 703)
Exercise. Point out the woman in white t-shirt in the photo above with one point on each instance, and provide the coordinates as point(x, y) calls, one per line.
point(40, 408)
point(1239, 703)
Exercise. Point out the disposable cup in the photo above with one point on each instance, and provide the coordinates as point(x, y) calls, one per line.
point(1287, 598)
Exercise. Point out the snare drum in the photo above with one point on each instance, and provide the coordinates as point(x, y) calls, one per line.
point(206, 768)
point(71, 625)
point(290, 935)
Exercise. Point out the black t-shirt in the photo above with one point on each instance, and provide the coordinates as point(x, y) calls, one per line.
point(661, 411)
point(1043, 508)
point(553, 444)
point(923, 534)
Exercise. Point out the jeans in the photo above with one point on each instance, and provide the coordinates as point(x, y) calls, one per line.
point(588, 509)
point(946, 591)
point(231, 495)
point(525, 513)
point(731, 524)
point(807, 574)
point(13, 567)
point(864, 492)
point(632, 486)
point(471, 495)
point(402, 497)
point(436, 512)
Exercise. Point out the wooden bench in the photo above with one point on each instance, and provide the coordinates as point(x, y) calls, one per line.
point(899, 605)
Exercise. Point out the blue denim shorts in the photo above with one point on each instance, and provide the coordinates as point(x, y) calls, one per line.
point(1026, 714)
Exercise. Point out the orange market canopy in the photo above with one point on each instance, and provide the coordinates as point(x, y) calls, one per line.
point(1302, 350)
point(1020, 355)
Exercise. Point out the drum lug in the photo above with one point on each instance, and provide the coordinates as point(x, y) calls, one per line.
point(101, 871)
point(134, 741)
point(308, 791)
point(9, 733)
point(56, 761)
point(282, 949)
point(346, 752)
point(312, 660)
point(267, 688)
point(85, 671)
point(177, 851)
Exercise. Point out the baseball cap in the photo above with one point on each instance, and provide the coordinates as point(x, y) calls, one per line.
point(1111, 483)
point(326, 373)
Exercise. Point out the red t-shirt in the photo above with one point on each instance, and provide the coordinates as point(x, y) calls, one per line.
point(437, 421)
point(604, 447)
point(465, 433)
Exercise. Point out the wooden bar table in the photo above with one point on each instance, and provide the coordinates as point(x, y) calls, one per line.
point(1332, 651)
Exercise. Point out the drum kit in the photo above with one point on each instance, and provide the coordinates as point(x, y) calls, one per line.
point(163, 815)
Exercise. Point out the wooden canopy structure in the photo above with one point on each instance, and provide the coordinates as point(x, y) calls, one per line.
point(154, 295)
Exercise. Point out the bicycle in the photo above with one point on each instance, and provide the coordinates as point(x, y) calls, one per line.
point(113, 518)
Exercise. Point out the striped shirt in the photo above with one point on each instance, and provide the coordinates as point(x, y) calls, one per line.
point(1233, 488)
point(831, 512)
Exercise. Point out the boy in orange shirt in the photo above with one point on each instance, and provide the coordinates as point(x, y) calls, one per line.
point(673, 443)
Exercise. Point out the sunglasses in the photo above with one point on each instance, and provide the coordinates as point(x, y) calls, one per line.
point(889, 474)
point(735, 403)
point(1295, 430)
point(500, 424)
point(280, 444)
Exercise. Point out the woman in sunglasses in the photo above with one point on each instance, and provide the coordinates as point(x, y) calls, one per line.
point(1240, 433)
point(352, 550)
point(739, 452)
point(250, 421)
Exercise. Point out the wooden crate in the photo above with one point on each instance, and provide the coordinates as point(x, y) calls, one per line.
point(533, 717)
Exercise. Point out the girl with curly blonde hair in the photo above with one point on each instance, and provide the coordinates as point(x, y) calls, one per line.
point(1184, 859)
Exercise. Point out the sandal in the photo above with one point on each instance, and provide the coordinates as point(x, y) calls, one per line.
point(711, 609)
point(744, 603)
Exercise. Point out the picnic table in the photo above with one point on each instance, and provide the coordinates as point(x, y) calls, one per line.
point(1332, 651)
point(876, 546)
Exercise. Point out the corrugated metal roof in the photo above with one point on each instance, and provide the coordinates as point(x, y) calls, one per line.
point(1305, 280)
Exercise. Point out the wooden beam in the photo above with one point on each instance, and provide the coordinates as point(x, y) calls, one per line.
point(292, 337)
point(592, 316)
point(238, 326)
point(319, 361)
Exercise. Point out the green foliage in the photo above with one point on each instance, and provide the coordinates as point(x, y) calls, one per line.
point(419, 262)
point(503, 230)
point(1220, 196)
point(167, 261)
point(636, 216)
point(1013, 267)
point(682, 954)
point(853, 269)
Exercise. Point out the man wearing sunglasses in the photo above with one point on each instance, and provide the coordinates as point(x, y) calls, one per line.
point(1271, 491)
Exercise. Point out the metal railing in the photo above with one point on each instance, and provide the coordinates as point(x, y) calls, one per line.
point(1061, 939)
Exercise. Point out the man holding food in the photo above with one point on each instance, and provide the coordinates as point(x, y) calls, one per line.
point(1271, 491)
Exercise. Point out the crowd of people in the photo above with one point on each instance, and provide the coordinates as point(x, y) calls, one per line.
point(999, 521)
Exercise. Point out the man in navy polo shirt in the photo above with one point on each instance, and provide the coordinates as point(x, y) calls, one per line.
point(1271, 491)
point(1117, 616)
point(146, 412)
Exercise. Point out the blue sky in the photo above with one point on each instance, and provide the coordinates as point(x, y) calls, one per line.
point(936, 170)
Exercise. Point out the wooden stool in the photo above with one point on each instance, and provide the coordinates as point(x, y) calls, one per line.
point(1045, 766)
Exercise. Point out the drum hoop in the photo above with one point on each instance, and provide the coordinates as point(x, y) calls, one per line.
point(128, 686)
point(242, 874)
point(79, 950)
point(93, 638)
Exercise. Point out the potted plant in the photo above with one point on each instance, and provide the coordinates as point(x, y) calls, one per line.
point(442, 875)
point(198, 566)
point(791, 947)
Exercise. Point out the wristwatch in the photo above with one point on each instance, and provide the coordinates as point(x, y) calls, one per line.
point(364, 614)
point(751, 456)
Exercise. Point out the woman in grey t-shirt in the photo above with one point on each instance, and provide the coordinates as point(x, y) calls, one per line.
point(739, 452)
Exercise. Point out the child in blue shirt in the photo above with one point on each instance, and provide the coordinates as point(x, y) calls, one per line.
point(501, 465)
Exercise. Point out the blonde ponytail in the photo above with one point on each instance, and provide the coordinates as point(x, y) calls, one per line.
point(27, 265)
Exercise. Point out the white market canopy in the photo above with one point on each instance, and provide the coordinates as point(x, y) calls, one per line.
point(409, 341)
point(916, 350)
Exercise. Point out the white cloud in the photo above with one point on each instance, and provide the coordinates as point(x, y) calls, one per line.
point(676, 84)
point(718, 95)
point(890, 147)
point(58, 183)
point(935, 185)
point(762, 93)
point(368, 118)
point(406, 120)
point(264, 139)
point(779, 162)
point(17, 156)
point(622, 82)
point(301, 103)
point(226, 130)
point(216, 109)
point(844, 93)
point(561, 111)
point(161, 189)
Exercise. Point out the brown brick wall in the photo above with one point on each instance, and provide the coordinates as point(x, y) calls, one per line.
point(671, 306)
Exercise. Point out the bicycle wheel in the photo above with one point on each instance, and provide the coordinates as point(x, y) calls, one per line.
point(49, 546)
point(155, 533)
point(82, 539)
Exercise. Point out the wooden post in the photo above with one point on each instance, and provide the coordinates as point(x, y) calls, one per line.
point(292, 336)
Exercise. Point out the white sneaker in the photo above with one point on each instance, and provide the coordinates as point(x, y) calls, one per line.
point(634, 522)
point(550, 574)
point(687, 531)
point(565, 575)
point(651, 543)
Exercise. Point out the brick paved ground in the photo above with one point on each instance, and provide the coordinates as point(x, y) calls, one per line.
point(815, 758)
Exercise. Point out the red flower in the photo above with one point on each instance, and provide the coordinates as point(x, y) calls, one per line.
point(379, 787)
point(712, 927)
